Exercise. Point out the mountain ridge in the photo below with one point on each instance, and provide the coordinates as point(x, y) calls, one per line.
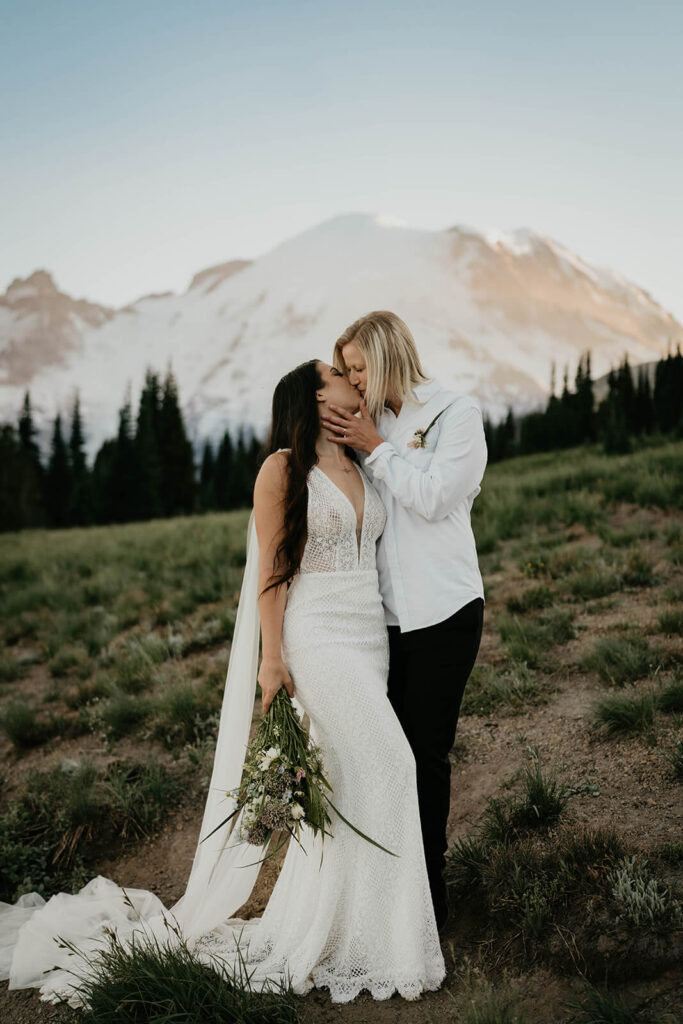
point(490, 311)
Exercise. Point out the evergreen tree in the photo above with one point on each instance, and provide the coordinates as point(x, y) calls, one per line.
point(585, 426)
point(149, 504)
point(505, 437)
point(223, 470)
point(613, 423)
point(80, 505)
point(30, 481)
point(626, 395)
point(644, 416)
point(11, 512)
point(104, 482)
point(175, 452)
point(122, 499)
point(242, 483)
point(207, 479)
point(668, 393)
point(58, 479)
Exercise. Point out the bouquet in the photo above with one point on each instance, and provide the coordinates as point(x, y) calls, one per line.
point(283, 784)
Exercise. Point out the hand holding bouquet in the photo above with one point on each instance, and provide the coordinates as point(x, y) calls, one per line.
point(283, 784)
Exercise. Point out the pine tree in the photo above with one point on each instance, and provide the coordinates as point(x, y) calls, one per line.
point(644, 405)
point(30, 482)
point(224, 470)
point(80, 510)
point(668, 393)
point(11, 512)
point(506, 437)
point(207, 479)
point(613, 424)
point(626, 395)
point(149, 504)
point(176, 457)
point(585, 429)
point(122, 499)
point(58, 479)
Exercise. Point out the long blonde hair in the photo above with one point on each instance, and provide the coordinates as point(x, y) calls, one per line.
point(391, 358)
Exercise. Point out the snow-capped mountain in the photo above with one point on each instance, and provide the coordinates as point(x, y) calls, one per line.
point(490, 311)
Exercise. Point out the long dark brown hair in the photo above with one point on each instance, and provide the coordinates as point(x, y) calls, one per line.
point(295, 425)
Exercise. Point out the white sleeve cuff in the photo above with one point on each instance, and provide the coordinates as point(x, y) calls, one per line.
point(383, 447)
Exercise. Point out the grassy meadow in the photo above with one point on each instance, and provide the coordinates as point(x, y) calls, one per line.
point(565, 853)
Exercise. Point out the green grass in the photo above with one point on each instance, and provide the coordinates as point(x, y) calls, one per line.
point(24, 727)
point(86, 585)
point(675, 758)
point(71, 661)
point(670, 621)
point(600, 1006)
point(621, 659)
point(162, 980)
point(530, 640)
point(12, 668)
point(531, 599)
point(486, 1003)
point(186, 713)
point(576, 487)
point(620, 712)
point(670, 696)
point(515, 688)
point(48, 834)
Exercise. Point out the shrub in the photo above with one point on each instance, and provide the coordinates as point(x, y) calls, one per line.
point(675, 758)
point(70, 660)
point(531, 599)
point(621, 659)
point(12, 669)
point(49, 833)
point(638, 894)
point(598, 1006)
point(589, 584)
point(638, 570)
point(20, 723)
point(186, 714)
point(670, 697)
point(121, 714)
point(624, 713)
point(517, 687)
point(161, 979)
point(670, 621)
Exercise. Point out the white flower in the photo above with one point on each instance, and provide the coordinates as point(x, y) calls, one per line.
point(267, 758)
point(297, 811)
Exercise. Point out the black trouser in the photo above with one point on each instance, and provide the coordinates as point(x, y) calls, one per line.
point(428, 670)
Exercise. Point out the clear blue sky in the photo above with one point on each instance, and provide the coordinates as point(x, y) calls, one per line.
point(142, 141)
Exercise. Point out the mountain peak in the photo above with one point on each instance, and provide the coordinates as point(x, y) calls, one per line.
point(212, 276)
point(39, 284)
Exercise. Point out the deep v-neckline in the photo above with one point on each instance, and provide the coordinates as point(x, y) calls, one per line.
point(359, 527)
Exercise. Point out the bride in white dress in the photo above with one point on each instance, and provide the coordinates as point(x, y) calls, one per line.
point(355, 918)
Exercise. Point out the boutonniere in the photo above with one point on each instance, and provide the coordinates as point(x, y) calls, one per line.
point(420, 436)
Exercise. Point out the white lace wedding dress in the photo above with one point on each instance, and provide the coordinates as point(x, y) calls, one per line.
point(357, 919)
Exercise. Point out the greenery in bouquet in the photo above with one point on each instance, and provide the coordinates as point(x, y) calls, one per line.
point(283, 785)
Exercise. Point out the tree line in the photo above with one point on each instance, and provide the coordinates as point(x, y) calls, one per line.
point(146, 471)
point(633, 406)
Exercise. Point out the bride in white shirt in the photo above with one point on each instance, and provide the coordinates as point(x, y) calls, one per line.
point(424, 449)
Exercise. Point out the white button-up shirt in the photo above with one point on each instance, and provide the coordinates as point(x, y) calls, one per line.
point(426, 557)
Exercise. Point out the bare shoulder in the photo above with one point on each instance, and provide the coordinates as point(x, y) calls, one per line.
point(272, 474)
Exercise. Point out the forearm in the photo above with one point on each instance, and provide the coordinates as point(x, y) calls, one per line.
point(272, 611)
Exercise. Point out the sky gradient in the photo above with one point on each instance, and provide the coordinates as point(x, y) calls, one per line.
point(141, 142)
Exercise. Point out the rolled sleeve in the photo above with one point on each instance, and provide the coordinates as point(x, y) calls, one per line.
point(382, 449)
